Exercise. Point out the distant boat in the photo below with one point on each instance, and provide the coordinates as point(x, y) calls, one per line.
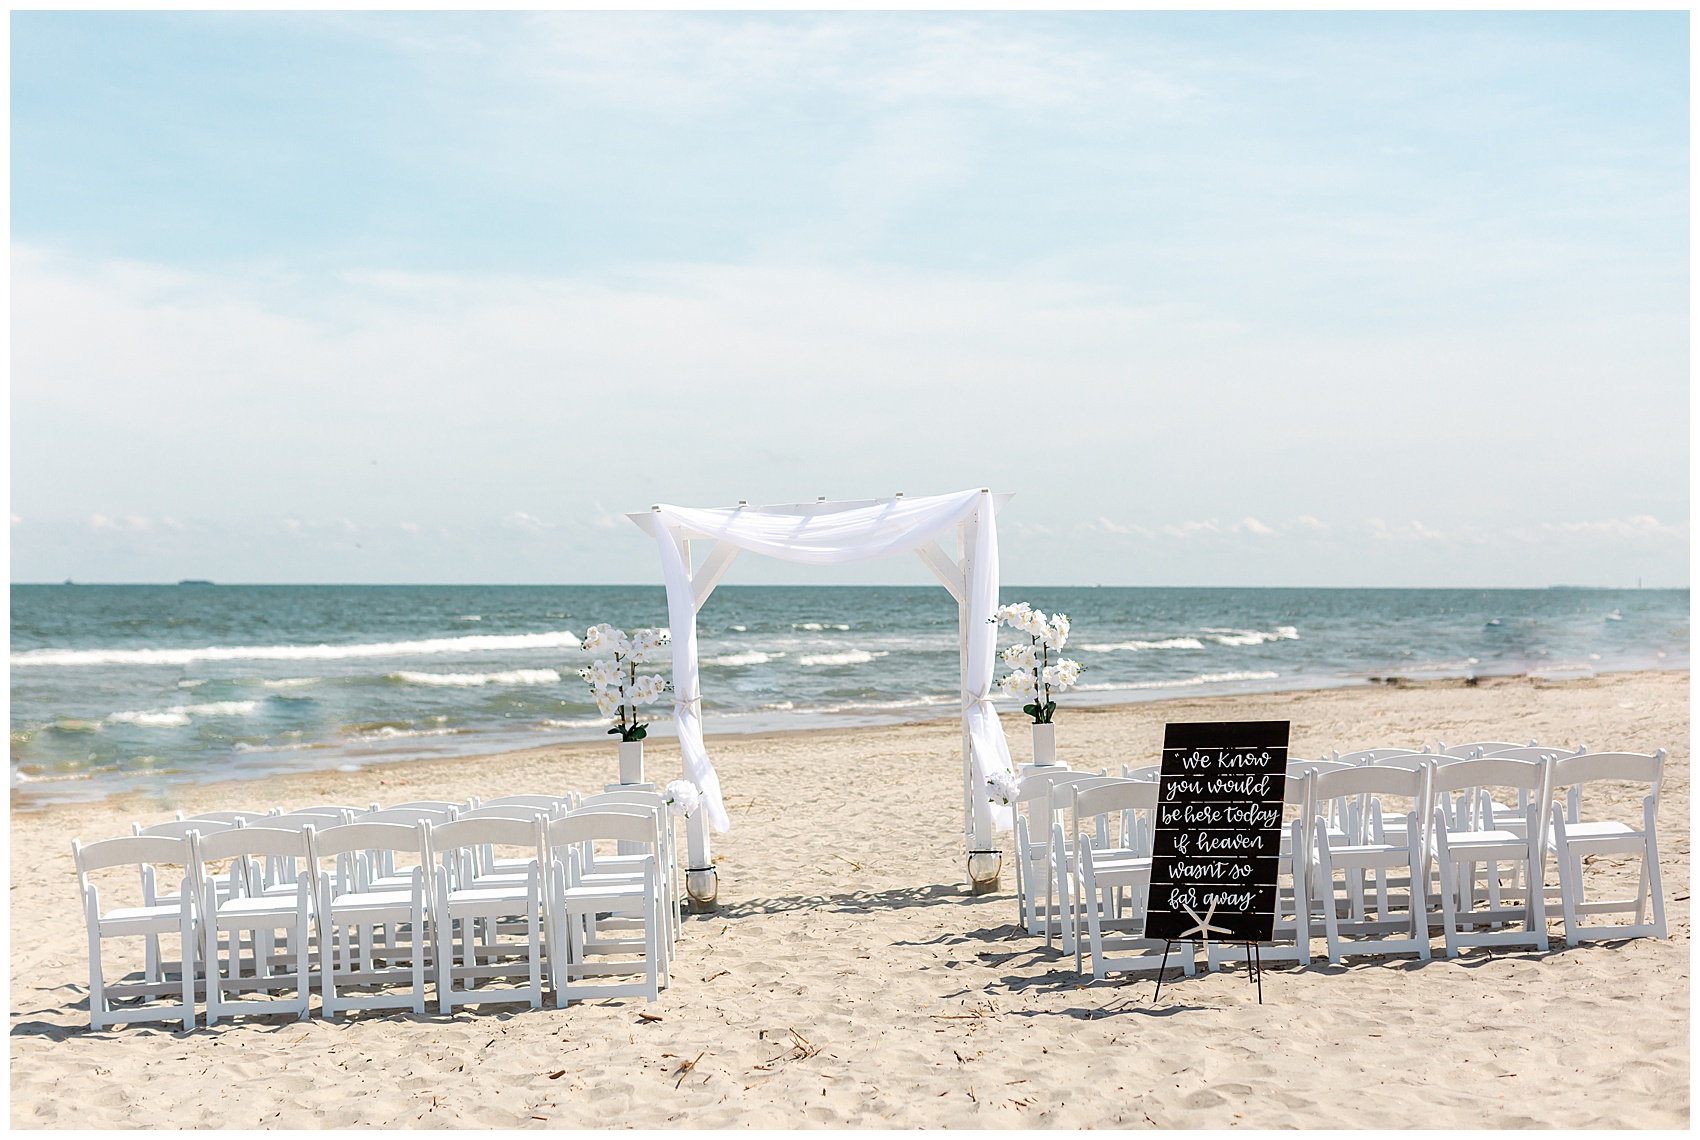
point(68, 582)
point(194, 582)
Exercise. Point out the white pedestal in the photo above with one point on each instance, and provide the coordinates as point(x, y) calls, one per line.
point(1044, 745)
point(631, 761)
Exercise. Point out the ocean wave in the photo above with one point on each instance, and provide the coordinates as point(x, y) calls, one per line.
point(1252, 636)
point(753, 657)
point(178, 715)
point(289, 682)
point(849, 657)
point(25, 778)
point(1200, 679)
point(472, 643)
point(922, 700)
point(243, 747)
point(1137, 646)
point(816, 625)
point(510, 677)
point(391, 732)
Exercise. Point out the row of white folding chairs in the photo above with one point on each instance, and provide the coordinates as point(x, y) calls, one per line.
point(1457, 827)
point(558, 898)
point(1429, 835)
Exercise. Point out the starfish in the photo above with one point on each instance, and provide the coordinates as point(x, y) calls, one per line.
point(1204, 927)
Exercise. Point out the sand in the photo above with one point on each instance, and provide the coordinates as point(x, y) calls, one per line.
point(849, 979)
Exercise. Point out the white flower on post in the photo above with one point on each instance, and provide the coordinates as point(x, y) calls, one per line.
point(648, 643)
point(646, 689)
point(1034, 623)
point(1020, 685)
point(599, 638)
point(1021, 657)
point(1062, 675)
point(607, 703)
point(1055, 635)
point(603, 674)
point(1005, 787)
point(682, 797)
point(1014, 614)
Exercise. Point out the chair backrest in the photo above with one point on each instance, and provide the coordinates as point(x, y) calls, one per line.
point(129, 851)
point(424, 805)
point(226, 816)
point(1532, 752)
point(1370, 779)
point(1495, 773)
point(364, 835)
point(587, 825)
point(1479, 748)
point(1371, 755)
point(180, 828)
point(1151, 772)
point(635, 796)
point(1087, 801)
point(302, 821)
point(331, 809)
point(506, 811)
point(1304, 767)
point(1630, 767)
point(286, 843)
point(1410, 761)
point(481, 831)
point(407, 816)
point(552, 803)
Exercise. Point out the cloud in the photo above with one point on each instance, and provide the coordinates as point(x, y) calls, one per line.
point(519, 520)
point(1311, 522)
point(1255, 527)
point(1632, 527)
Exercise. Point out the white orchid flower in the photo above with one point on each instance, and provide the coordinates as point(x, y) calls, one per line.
point(1021, 657)
point(1056, 631)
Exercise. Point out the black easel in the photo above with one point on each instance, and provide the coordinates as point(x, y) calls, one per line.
point(1253, 965)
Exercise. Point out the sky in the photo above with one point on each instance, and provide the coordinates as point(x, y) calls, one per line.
point(1258, 299)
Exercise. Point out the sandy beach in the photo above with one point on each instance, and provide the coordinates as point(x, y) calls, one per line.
point(849, 979)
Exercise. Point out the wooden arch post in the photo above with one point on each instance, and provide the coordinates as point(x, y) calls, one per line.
point(984, 853)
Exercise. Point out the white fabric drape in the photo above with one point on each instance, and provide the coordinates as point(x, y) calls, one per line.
point(832, 538)
point(989, 749)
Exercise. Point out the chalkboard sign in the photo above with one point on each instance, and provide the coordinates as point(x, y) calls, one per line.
point(1218, 831)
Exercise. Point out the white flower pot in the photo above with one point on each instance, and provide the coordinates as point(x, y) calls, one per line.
point(1044, 745)
point(631, 761)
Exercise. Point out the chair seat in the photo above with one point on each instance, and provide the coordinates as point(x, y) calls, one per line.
point(612, 891)
point(1605, 829)
point(372, 900)
point(1483, 845)
point(159, 919)
point(500, 900)
point(265, 907)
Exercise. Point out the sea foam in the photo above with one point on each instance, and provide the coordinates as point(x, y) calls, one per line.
point(178, 715)
point(473, 643)
point(849, 657)
point(509, 677)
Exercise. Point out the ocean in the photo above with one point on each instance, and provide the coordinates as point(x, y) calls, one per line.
point(118, 688)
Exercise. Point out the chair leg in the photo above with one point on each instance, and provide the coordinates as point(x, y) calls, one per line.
point(1535, 904)
point(1325, 890)
point(445, 964)
point(1655, 881)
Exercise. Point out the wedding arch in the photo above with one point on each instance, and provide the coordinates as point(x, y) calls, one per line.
point(826, 533)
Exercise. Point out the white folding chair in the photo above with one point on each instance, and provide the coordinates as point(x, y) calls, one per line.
point(1459, 849)
point(1105, 867)
point(1356, 933)
point(146, 921)
point(151, 896)
point(1290, 930)
point(1033, 846)
point(351, 914)
point(1575, 839)
point(263, 915)
point(460, 900)
point(578, 903)
point(1065, 842)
